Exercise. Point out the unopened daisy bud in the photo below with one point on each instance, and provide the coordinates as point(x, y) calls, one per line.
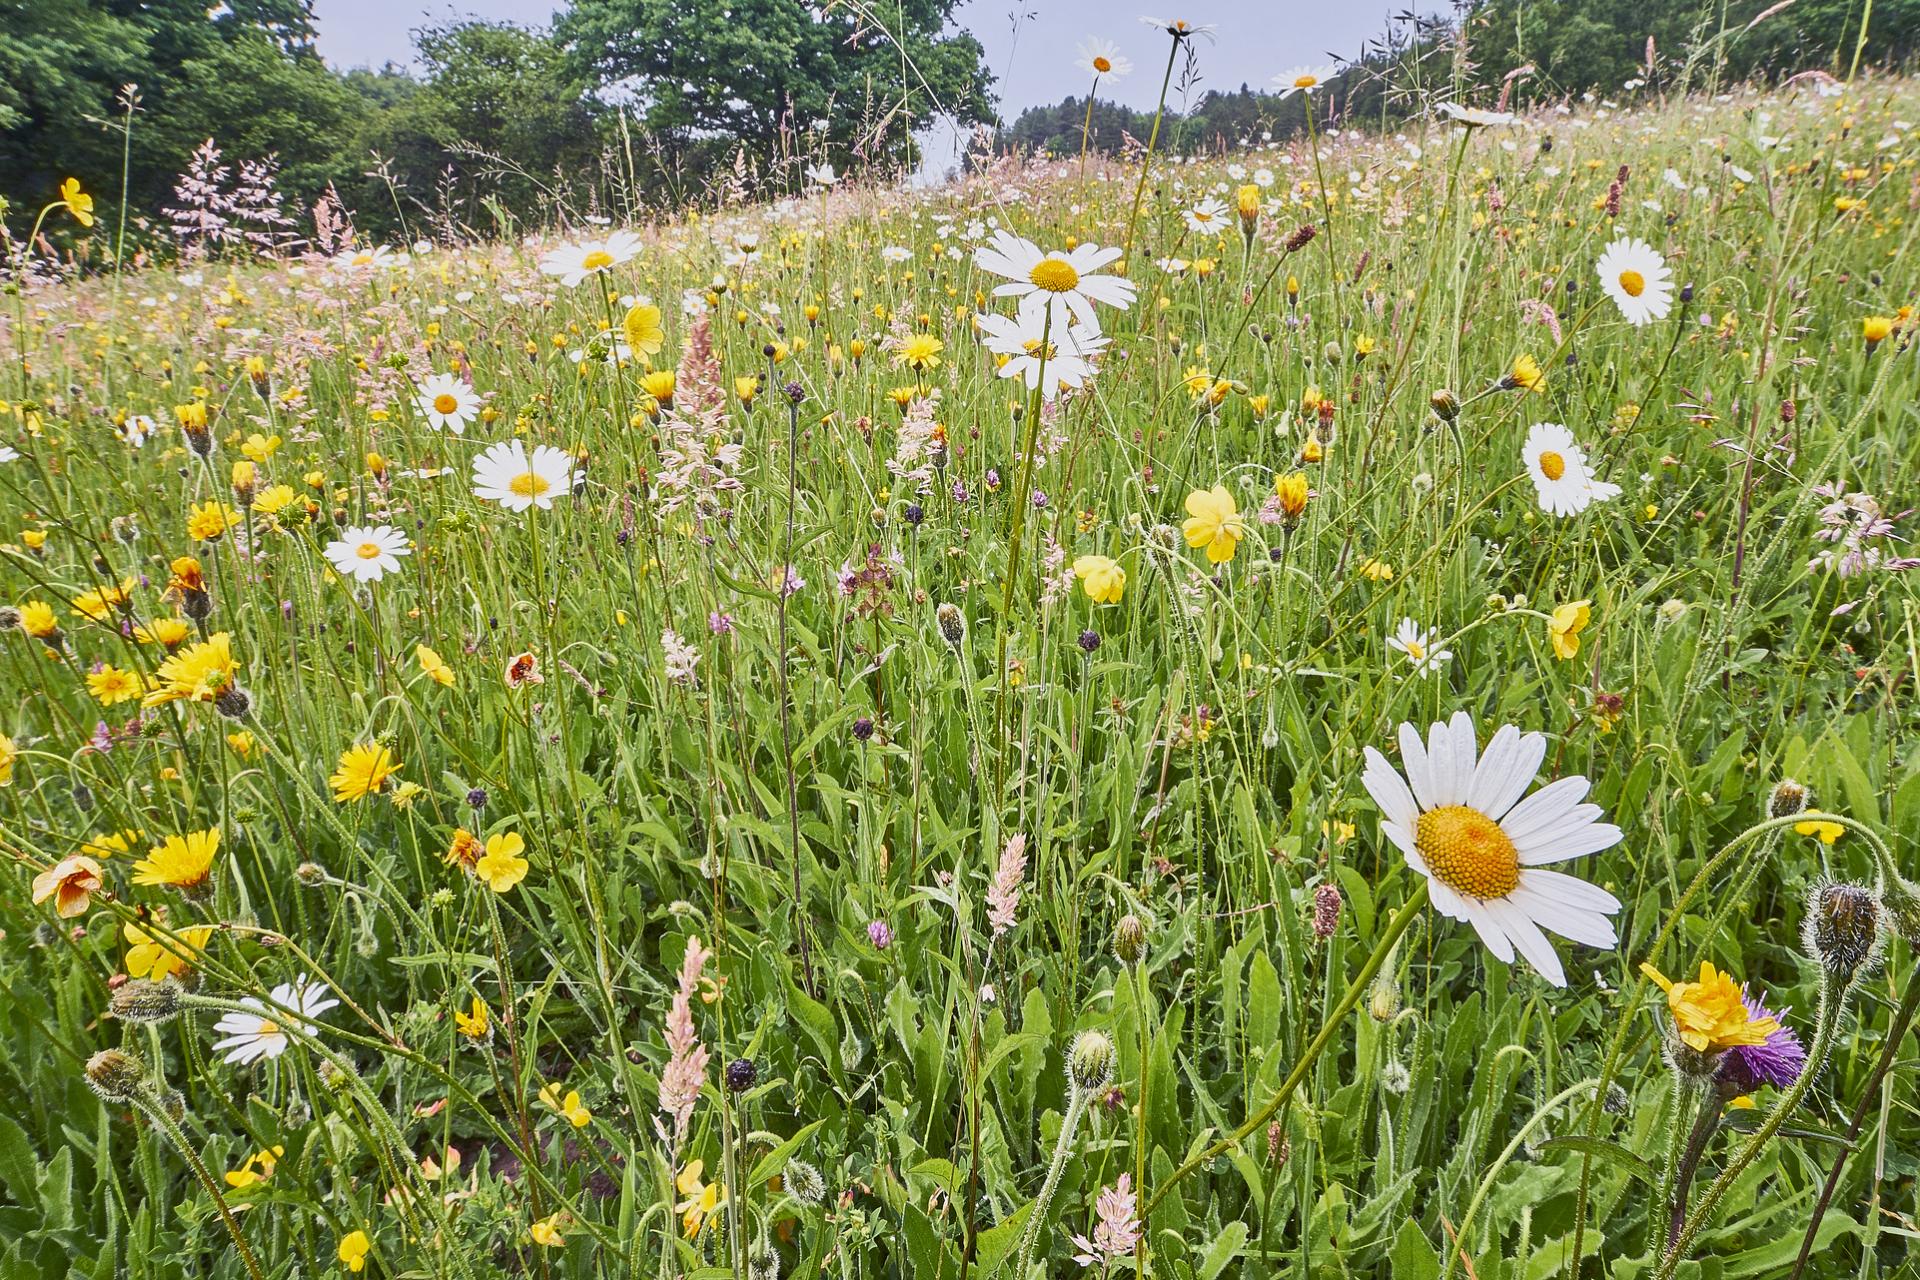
point(1445, 404)
point(116, 1076)
point(141, 1001)
point(1130, 939)
point(1786, 799)
point(953, 626)
point(1090, 1061)
point(310, 874)
point(1383, 997)
point(1842, 928)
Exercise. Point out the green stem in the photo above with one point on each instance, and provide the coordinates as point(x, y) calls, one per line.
point(1076, 1107)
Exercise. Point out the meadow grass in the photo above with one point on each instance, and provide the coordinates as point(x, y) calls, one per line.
point(767, 857)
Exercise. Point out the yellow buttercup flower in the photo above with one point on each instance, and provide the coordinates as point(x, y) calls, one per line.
point(1214, 522)
point(501, 866)
point(643, 331)
point(1828, 832)
point(1101, 578)
point(152, 956)
point(1565, 625)
point(258, 1168)
point(434, 665)
point(577, 1115)
point(78, 202)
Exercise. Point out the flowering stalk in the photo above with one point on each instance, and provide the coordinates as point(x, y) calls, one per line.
point(1146, 161)
point(1076, 1108)
point(157, 1115)
point(1016, 534)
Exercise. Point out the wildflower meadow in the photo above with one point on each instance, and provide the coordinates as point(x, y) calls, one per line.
point(1338, 708)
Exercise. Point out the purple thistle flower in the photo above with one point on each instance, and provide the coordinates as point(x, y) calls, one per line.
point(1777, 1061)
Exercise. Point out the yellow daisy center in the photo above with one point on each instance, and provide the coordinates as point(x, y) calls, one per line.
point(1416, 650)
point(1552, 465)
point(1055, 275)
point(368, 551)
point(530, 484)
point(597, 259)
point(445, 402)
point(1468, 852)
point(1305, 81)
point(268, 1028)
point(1632, 283)
point(1102, 65)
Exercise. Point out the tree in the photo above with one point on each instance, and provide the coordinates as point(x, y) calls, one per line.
point(716, 74)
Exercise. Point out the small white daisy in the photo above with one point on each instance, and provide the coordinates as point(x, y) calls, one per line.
point(368, 554)
point(1459, 820)
point(1207, 217)
point(137, 429)
point(1474, 117)
point(1063, 285)
point(1069, 358)
point(1305, 79)
point(573, 263)
point(507, 475)
point(8, 453)
point(1561, 477)
point(448, 403)
point(1417, 644)
point(1638, 280)
point(251, 1037)
point(1103, 58)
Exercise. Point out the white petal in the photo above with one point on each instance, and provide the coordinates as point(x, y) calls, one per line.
point(1502, 779)
point(1569, 922)
point(1489, 930)
point(1540, 812)
point(1413, 755)
point(1389, 790)
point(1569, 843)
point(1571, 890)
point(1529, 940)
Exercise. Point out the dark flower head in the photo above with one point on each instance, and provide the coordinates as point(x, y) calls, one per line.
point(1777, 1061)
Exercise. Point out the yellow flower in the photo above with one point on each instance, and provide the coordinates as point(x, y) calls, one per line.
point(1827, 831)
point(660, 385)
point(167, 632)
point(1711, 1014)
point(1247, 198)
point(747, 388)
point(1293, 492)
point(209, 521)
point(1564, 628)
point(242, 743)
point(259, 448)
point(353, 1251)
point(475, 1025)
point(274, 499)
point(9, 753)
point(38, 620)
point(78, 202)
point(547, 1231)
point(1876, 328)
point(198, 673)
point(920, 351)
point(1101, 578)
point(152, 956)
point(578, 1116)
point(702, 1201)
point(501, 866)
point(1526, 375)
point(111, 685)
point(182, 861)
point(1376, 570)
point(98, 604)
point(433, 665)
point(363, 768)
point(644, 333)
point(1214, 522)
point(69, 882)
point(109, 843)
point(258, 1168)
point(34, 539)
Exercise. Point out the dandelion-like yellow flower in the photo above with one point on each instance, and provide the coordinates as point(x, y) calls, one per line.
point(209, 521)
point(1526, 375)
point(197, 673)
point(1711, 1014)
point(181, 862)
point(112, 685)
point(363, 769)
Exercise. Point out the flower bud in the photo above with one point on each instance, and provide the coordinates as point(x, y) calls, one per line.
point(1445, 404)
point(233, 702)
point(1842, 928)
point(1090, 1061)
point(952, 625)
point(1786, 799)
point(116, 1076)
point(1130, 939)
point(141, 1001)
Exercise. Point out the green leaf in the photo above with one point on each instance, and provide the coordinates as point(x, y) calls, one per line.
point(776, 1160)
point(1607, 1150)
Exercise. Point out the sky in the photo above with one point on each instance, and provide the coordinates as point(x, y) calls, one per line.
point(1032, 59)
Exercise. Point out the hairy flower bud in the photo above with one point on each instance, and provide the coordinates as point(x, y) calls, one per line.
point(1090, 1061)
point(1446, 405)
point(1842, 928)
point(116, 1076)
point(1130, 939)
point(952, 625)
point(1787, 798)
point(142, 1001)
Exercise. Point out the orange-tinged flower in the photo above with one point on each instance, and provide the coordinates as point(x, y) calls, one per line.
point(69, 882)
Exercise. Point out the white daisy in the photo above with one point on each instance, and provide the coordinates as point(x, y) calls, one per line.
point(137, 429)
point(368, 554)
point(1417, 644)
point(1305, 79)
point(506, 475)
point(1463, 825)
point(448, 403)
point(8, 453)
point(573, 263)
point(822, 175)
point(1206, 217)
point(1561, 477)
point(1069, 358)
point(1474, 117)
point(378, 258)
point(1638, 280)
point(1060, 285)
point(1103, 58)
point(250, 1037)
